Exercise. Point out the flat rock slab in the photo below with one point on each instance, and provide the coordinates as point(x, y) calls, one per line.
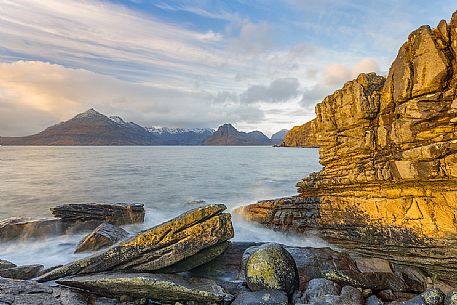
point(103, 236)
point(161, 287)
point(115, 213)
point(159, 247)
point(22, 272)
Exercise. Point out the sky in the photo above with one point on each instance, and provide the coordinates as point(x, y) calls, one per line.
point(258, 64)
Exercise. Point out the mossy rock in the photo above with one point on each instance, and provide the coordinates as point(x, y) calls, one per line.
point(271, 267)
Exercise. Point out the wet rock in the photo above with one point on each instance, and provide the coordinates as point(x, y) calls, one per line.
point(262, 297)
point(4, 264)
point(103, 236)
point(373, 300)
point(161, 287)
point(318, 288)
point(21, 272)
point(159, 247)
point(271, 267)
point(451, 298)
point(115, 213)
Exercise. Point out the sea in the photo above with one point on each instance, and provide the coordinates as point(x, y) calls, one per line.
point(168, 180)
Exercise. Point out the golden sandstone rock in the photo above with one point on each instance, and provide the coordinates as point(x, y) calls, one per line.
point(389, 151)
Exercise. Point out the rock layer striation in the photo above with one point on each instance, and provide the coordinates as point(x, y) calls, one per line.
point(389, 151)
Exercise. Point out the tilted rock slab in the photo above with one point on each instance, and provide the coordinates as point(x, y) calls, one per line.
point(389, 150)
point(163, 287)
point(103, 236)
point(158, 247)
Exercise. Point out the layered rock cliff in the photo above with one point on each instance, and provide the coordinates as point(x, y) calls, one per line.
point(302, 136)
point(389, 151)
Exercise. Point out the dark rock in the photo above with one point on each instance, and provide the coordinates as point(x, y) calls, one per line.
point(262, 297)
point(228, 265)
point(158, 247)
point(22, 272)
point(161, 287)
point(373, 300)
point(433, 296)
point(373, 264)
point(202, 257)
point(318, 288)
point(103, 236)
point(451, 298)
point(4, 264)
point(351, 296)
point(271, 267)
point(414, 277)
point(115, 213)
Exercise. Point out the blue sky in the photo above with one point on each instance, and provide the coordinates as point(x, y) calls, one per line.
point(256, 64)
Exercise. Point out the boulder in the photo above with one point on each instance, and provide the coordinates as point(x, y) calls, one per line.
point(373, 300)
point(431, 296)
point(115, 213)
point(159, 247)
point(159, 287)
point(451, 298)
point(103, 236)
point(22, 272)
point(261, 297)
point(270, 266)
point(73, 218)
point(318, 288)
point(373, 264)
point(4, 264)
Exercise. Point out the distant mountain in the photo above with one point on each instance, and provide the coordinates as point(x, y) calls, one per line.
point(278, 137)
point(229, 135)
point(181, 136)
point(88, 128)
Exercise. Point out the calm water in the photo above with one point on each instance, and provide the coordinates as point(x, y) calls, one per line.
point(165, 179)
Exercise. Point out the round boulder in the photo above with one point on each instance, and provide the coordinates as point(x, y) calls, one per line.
point(271, 267)
point(451, 298)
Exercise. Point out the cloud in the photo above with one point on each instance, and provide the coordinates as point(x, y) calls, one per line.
point(42, 94)
point(334, 76)
point(278, 91)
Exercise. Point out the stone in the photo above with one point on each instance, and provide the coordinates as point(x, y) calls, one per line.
point(388, 147)
point(114, 213)
point(270, 266)
point(159, 247)
point(160, 287)
point(4, 264)
point(262, 297)
point(433, 296)
point(320, 287)
point(373, 300)
point(373, 264)
point(414, 277)
point(22, 272)
point(451, 298)
point(103, 236)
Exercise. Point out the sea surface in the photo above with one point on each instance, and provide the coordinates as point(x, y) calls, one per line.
point(166, 179)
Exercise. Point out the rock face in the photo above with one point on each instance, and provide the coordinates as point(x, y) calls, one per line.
point(302, 136)
point(389, 150)
point(229, 135)
point(161, 287)
point(159, 247)
point(103, 236)
point(270, 266)
point(71, 218)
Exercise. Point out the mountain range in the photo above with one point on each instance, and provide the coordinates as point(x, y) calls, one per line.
point(94, 128)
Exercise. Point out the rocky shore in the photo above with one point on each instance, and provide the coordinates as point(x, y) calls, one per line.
point(388, 145)
point(190, 260)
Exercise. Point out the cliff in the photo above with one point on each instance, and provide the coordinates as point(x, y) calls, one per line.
point(278, 137)
point(389, 150)
point(229, 135)
point(302, 136)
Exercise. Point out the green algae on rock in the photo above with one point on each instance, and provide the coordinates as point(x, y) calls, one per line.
point(270, 266)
